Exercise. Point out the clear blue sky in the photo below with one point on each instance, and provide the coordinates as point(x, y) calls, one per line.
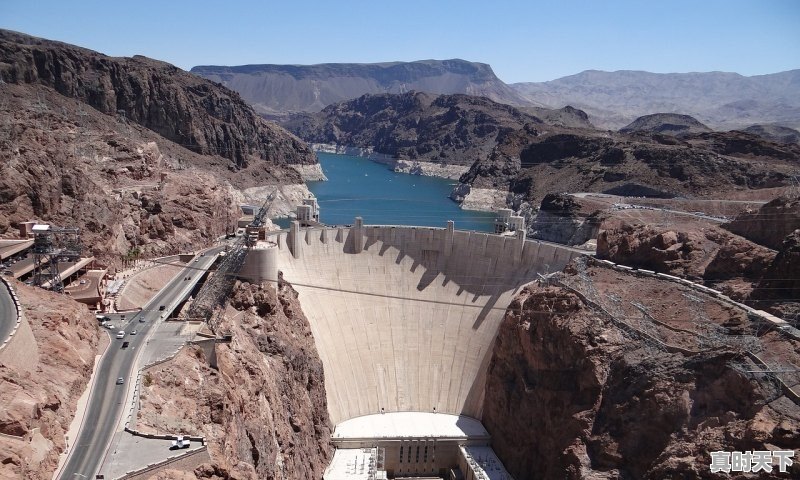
point(522, 40)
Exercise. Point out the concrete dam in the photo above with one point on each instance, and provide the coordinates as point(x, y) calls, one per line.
point(404, 319)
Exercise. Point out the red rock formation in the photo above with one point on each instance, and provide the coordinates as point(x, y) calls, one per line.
point(573, 394)
point(692, 251)
point(770, 224)
point(779, 289)
point(265, 403)
point(37, 404)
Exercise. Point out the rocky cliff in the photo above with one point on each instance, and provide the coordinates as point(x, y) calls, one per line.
point(594, 380)
point(443, 129)
point(770, 224)
point(564, 220)
point(778, 290)
point(200, 115)
point(39, 396)
point(274, 90)
point(262, 408)
point(71, 159)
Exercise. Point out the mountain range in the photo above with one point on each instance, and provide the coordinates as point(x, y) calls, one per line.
point(273, 90)
point(611, 99)
point(718, 99)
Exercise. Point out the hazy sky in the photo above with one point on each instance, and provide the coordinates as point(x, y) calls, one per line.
point(521, 40)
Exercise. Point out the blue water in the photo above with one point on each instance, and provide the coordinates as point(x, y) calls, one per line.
point(360, 187)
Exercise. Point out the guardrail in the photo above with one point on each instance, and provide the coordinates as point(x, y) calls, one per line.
point(17, 307)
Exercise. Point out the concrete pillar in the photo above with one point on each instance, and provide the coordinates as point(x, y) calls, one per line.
point(448, 238)
point(358, 235)
point(324, 236)
point(294, 239)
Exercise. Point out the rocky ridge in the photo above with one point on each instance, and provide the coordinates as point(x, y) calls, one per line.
point(529, 164)
point(721, 100)
point(263, 407)
point(775, 133)
point(70, 158)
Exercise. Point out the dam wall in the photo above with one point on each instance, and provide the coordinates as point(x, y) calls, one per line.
point(404, 318)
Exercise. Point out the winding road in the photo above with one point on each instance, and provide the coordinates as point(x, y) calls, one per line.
point(8, 313)
point(107, 399)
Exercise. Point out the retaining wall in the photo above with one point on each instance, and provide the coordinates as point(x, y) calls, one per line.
point(187, 461)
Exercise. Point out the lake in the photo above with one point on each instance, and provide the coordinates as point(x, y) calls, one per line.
point(357, 186)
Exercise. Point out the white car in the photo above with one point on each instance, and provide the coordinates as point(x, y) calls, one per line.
point(133, 332)
point(121, 334)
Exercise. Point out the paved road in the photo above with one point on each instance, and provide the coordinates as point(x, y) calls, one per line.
point(8, 313)
point(107, 399)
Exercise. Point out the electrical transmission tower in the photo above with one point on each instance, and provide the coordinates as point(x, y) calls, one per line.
point(215, 291)
point(52, 246)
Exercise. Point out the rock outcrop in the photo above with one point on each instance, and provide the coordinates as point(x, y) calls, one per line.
point(666, 124)
point(703, 254)
point(195, 113)
point(39, 397)
point(561, 219)
point(262, 408)
point(575, 392)
point(770, 224)
point(779, 288)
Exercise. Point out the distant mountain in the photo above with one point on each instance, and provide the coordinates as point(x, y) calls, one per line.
point(274, 90)
point(720, 100)
point(666, 124)
point(775, 133)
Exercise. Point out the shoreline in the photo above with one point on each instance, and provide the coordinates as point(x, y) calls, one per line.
point(410, 167)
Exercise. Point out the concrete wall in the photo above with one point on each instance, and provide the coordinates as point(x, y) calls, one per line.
point(183, 462)
point(404, 318)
